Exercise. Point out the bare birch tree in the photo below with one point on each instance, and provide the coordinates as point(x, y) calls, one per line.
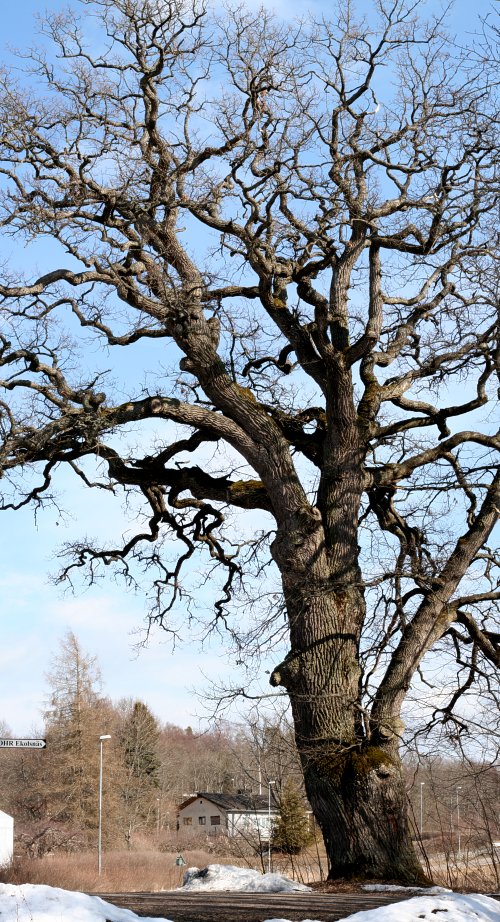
point(306, 216)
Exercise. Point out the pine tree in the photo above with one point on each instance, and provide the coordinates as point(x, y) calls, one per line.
point(140, 738)
point(140, 778)
point(292, 831)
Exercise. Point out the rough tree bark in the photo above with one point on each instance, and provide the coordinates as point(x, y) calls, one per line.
point(306, 214)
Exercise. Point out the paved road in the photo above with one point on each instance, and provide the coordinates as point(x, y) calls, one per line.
point(249, 907)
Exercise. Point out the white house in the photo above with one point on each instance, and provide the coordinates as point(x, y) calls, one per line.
point(229, 814)
point(6, 839)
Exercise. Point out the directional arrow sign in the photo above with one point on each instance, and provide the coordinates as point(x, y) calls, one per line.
point(22, 744)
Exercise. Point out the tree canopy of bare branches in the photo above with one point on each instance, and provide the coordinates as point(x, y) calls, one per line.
point(305, 215)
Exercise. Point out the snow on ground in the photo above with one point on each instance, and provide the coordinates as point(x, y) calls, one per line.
point(37, 903)
point(30, 903)
point(446, 907)
point(228, 877)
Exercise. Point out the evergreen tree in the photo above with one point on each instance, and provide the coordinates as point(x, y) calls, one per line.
point(292, 830)
point(140, 737)
point(140, 774)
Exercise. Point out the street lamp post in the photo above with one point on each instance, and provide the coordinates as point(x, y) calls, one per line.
point(105, 736)
point(422, 785)
point(269, 826)
point(459, 788)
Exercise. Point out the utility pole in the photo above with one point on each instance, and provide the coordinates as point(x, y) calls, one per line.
point(106, 736)
point(269, 783)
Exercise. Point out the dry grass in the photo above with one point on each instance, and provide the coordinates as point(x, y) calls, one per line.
point(154, 870)
point(143, 869)
point(472, 872)
point(121, 871)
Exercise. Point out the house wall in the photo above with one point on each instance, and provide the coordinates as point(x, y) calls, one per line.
point(199, 817)
point(203, 809)
point(255, 825)
point(6, 838)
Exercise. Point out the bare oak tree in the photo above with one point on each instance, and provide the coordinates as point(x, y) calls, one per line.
point(306, 214)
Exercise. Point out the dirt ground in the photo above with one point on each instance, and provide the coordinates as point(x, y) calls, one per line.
point(215, 906)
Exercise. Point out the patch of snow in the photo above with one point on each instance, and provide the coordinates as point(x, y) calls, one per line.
point(446, 907)
point(38, 903)
point(227, 877)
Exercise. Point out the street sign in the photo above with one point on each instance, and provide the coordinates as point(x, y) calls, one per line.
point(22, 744)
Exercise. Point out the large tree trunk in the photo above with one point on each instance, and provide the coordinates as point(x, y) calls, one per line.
point(359, 801)
point(353, 775)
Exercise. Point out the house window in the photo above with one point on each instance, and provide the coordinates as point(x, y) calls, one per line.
point(188, 821)
point(215, 820)
point(202, 821)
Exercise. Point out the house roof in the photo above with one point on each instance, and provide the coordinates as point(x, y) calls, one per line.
point(233, 803)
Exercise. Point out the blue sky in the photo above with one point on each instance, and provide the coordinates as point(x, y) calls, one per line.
point(35, 614)
point(109, 622)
